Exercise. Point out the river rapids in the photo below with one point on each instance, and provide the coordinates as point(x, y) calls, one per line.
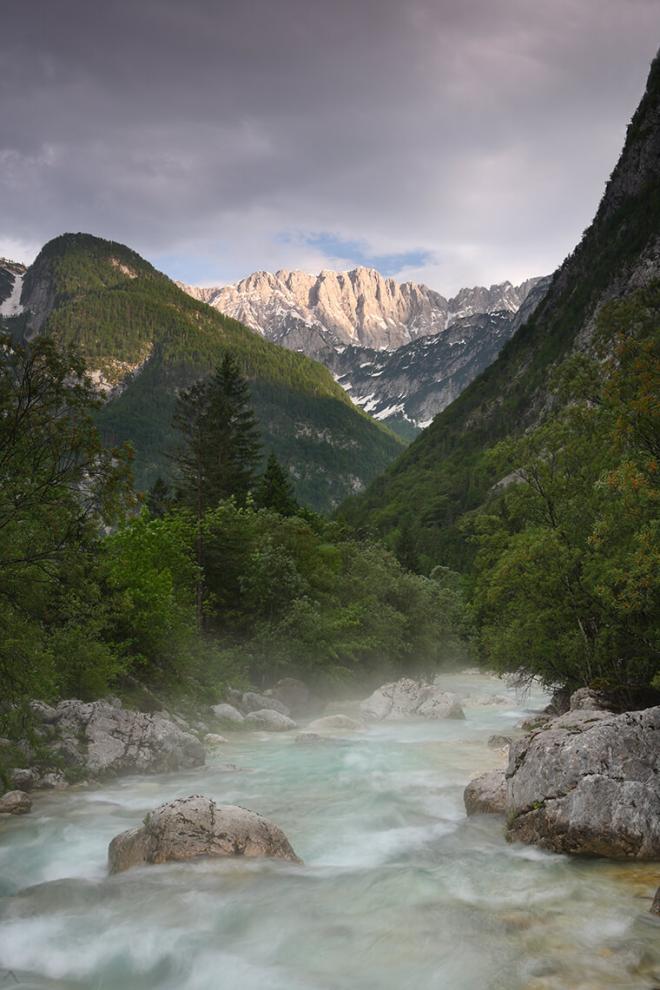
point(399, 889)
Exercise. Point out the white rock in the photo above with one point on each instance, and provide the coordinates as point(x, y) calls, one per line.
point(270, 720)
point(194, 827)
point(214, 739)
point(253, 702)
point(15, 803)
point(588, 783)
point(227, 713)
point(406, 698)
point(486, 794)
point(101, 740)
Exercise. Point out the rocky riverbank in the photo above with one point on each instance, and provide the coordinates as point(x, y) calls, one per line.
point(586, 782)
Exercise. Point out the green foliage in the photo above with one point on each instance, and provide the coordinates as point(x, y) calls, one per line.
point(275, 490)
point(568, 568)
point(121, 312)
point(299, 596)
point(59, 485)
point(150, 568)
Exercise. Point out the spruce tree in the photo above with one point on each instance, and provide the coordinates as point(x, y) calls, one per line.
point(219, 451)
point(275, 490)
point(406, 549)
point(221, 444)
point(235, 442)
point(159, 498)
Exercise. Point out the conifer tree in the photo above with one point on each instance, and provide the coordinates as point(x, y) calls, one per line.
point(221, 444)
point(235, 440)
point(159, 498)
point(406, 549)
point(220, 449)
point(275, 490)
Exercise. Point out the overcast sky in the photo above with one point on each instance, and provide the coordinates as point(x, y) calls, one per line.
point(456, 142)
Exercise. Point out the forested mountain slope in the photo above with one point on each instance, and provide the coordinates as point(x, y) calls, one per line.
point(144, 338)
point(445, 472)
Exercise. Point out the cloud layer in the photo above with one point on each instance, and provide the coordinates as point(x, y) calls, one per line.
point(453, 141)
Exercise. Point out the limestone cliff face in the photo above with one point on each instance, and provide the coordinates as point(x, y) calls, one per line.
point(359, 307)
point(401, 350)
point(11, 285)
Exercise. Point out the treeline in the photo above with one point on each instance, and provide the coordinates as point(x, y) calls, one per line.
point(218, 577)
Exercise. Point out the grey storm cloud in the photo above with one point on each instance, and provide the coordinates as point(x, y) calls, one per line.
point(467, 140)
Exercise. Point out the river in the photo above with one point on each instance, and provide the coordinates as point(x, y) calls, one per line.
point(399, 889)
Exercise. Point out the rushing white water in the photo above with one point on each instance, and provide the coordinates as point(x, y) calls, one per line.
point(398, 890)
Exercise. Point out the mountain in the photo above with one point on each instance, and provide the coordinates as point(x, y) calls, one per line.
point(387, 344)
point(445, 472)
point(410, 385)
point(144, 339)
point(361, 307)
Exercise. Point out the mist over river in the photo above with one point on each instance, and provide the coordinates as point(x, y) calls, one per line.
point(399, 889)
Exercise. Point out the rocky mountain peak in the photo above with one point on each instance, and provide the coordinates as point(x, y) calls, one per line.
point(359, 307)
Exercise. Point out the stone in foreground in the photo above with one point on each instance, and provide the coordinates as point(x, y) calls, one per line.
point(486, 794)
point(589, 783)
point(270, 720)
point(196, 827)
point(15, 803)
point(406, 698)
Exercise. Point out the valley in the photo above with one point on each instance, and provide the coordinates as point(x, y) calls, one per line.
point(329, 603)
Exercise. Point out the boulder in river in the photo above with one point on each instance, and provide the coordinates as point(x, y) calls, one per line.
point(227, 713)
point(486, 794)
point(407, 698)
point(15, 803)
point(588, 783)
point(440, 704)
point(269, 719)
point(213, 739)
point(194, 827)
point(253, 702)
point(99, 739)
point(330, 723)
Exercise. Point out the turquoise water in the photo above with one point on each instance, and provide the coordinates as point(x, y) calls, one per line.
point(398, 890)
